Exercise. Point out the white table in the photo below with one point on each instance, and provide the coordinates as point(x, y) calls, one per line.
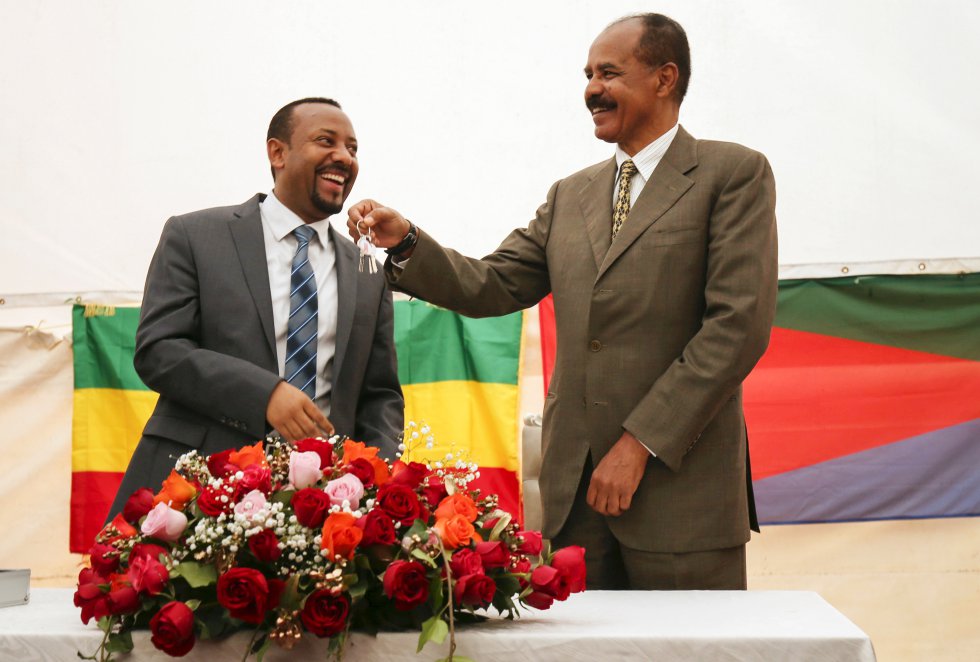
point(599, 625)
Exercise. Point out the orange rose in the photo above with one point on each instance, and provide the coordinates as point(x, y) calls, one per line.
point(457, 504)
point(341, 535)
point(354, 450)
point(248, 456)
point(176, 491)
point(455, 531)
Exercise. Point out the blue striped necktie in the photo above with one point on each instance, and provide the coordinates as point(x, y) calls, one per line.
point(301, 330)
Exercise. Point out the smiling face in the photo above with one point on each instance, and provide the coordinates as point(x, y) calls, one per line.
point(316, 169)
point(632, 103)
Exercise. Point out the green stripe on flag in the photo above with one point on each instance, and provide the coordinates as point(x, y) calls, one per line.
point(436, 345)
point(939, 314)
point(104, 342)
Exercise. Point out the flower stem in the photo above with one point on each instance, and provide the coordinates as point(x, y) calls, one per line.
point(251, 642)
point(449, 592)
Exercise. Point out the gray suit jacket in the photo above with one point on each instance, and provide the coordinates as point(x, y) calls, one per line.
point(206, 343)
point(655, 331)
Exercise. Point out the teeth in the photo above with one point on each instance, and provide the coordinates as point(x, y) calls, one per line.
point(333, 178)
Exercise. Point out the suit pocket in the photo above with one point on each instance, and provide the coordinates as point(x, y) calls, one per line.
point(179, 430)
point(680, 236)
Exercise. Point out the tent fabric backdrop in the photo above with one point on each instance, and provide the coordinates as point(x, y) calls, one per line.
point(865, 405)
point(459, 376)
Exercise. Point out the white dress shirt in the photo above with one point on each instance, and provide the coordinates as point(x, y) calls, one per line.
point(278, 223)
point(646, 161)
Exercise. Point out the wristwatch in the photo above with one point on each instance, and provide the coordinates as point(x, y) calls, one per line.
point(408, 241)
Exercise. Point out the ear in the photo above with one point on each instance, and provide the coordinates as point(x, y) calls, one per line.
point(277, 151)
point(667, 77)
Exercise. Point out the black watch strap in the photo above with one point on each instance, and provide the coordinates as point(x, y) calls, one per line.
point(407, 242)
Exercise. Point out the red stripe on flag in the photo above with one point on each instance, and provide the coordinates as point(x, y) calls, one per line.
point(504, 484)
point(92, 493)
point(546, 320)
point(813, 398)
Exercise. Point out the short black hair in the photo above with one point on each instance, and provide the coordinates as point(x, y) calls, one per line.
point(281, 126)
point(664, 40)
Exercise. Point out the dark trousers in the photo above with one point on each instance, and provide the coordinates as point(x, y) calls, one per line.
point(611, 565)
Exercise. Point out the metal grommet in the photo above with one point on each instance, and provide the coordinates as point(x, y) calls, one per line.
point(922, 266)
point(845, 270)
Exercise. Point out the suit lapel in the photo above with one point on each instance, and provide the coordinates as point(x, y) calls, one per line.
point(250, 243)
point(595, 199)
point(666, 186)
point(346, 296)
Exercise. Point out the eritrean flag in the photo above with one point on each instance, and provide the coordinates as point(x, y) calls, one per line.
point(867, 403)
point(459, 376)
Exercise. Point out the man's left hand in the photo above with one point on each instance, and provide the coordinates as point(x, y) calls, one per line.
point(617, 476)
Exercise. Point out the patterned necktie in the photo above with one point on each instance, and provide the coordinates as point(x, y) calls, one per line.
point(301, 329)
point(622, 209)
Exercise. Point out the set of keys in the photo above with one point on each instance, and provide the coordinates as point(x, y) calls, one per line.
point(367, 249)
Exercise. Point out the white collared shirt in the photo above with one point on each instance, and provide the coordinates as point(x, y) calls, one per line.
point(278, 223)
point(646, 161)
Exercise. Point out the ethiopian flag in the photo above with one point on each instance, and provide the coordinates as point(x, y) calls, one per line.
point(459, 376)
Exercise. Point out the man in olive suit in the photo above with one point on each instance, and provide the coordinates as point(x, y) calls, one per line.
point(662, 263)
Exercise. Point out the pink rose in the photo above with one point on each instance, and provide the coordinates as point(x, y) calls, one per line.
point(347, 488)
point(164, 523)
point(254, 504)
point(304, 469)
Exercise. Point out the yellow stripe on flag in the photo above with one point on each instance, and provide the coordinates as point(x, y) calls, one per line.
point(106, 426)
point(473, 417)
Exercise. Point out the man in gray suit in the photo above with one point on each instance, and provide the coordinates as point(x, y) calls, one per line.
point(662, 263)
point(256, 317)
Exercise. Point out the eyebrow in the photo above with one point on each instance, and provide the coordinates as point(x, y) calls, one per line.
point(602, 66)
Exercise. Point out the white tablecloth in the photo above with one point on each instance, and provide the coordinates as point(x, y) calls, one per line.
point(597, 625)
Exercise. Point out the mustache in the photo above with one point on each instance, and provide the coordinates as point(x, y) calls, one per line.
point(599, 102)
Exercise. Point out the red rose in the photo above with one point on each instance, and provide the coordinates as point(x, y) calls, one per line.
point(148, 550)
point(410, 474)
point(363, 470)
point(173, 629)
point(104, 559)
point(219, 465)
point(538, 600)
point(265, 546)
point(247, 595)
point(322, 448)
point(147, 575)
point(434, 492)
point(531, 543)
point(122, 598)
point(494, 554)
point(570, 562)
point(405, 583)
point(117, 529)
point(378, 528)
point(547, 580)
point(466, 562)
point(400, 502)
point(210, 503)
point(256, 477)
point(91, 596)
point(474, 591)
point(325, 614)
point(521, 566)
point(311, 507)
point(138, 505)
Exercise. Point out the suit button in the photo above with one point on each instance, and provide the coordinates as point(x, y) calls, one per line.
point(595, 345)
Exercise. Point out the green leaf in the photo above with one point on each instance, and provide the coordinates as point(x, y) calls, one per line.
point(435, 592)
point(283, 497)
point(418, 528)
point(119, 642)
point(105, 623)
point(435, 629)
point(193, 604)
point(195, 574)
point(501, 524)
point(423, 557)
point(291, 598)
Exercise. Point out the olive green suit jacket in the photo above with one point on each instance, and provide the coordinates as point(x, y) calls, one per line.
point(656, 329)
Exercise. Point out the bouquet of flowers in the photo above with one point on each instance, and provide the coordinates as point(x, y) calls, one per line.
point(318, 536)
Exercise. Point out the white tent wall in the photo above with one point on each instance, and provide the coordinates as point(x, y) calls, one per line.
point(115, 115)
